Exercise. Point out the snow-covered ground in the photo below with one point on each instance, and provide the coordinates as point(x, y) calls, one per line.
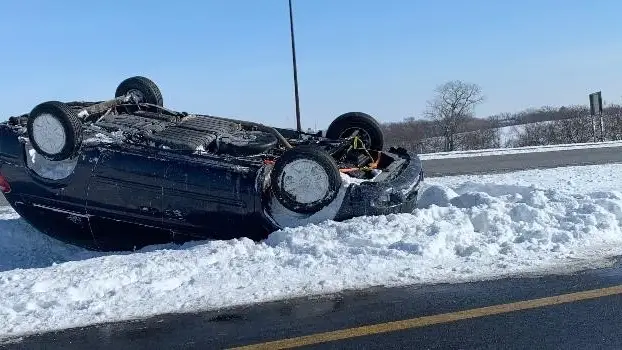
point(508, 134)
point(530, 149)
point(468, 228)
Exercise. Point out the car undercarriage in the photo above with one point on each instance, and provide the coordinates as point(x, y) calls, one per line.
point(156, 127)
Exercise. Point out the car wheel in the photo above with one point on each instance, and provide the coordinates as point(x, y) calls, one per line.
point(305, 179)
point(143, 89)
point(54, 130)
point(368, 129)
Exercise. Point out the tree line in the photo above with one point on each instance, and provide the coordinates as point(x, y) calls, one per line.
point(449, 124)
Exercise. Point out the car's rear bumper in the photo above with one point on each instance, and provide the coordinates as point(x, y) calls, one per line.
point(398, 194)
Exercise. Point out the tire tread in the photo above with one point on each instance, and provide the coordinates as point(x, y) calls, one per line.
point(71, 123)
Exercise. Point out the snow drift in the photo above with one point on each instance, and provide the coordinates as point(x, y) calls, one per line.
point(469, 230)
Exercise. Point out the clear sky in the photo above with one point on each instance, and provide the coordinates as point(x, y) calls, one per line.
point(384, 57)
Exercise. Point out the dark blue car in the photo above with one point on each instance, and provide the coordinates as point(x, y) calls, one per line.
point(127, 172)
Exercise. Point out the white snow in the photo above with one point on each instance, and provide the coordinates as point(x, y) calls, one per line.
point(22, 247)
point(509, 134)
point(530, 149)
point(468, 228)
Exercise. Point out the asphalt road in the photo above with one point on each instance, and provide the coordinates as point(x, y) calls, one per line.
point(521, 161)
point(589, 323)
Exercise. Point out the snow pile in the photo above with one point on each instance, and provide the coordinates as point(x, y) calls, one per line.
point(463, 232)
point(22, 247)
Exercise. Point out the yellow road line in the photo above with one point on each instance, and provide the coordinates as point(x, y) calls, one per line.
point(434, 319)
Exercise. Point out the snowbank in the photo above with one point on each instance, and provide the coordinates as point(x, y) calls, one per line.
point(22, 247)
point(468, 228)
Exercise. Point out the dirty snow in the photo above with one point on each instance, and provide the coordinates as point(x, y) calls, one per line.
point(104, 137)
point(239, 138)
point(468, 228)
point(530, 149)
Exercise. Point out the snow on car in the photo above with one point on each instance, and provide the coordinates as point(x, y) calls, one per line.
point(127, 172)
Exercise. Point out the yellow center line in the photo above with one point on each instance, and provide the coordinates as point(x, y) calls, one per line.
point(434, 319)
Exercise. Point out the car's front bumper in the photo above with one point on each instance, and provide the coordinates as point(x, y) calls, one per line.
point(398, 194)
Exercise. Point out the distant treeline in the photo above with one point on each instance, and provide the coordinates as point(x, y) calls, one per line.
point(532, 127)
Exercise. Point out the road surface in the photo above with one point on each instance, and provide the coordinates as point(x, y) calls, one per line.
point(577, 311)
point(521, 161)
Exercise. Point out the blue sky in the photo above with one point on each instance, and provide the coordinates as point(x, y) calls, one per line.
point(232, 58)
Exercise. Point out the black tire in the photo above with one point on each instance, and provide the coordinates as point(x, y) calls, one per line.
point(150, 91)
point(322, 159)
point(70, 124)
point(344, 125)
point(245, 143)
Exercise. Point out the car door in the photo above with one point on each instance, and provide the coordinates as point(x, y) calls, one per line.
point(207, 197)
point(125, 197)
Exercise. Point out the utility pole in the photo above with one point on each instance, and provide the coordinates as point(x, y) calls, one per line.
point(296, 97)
point(602, 124)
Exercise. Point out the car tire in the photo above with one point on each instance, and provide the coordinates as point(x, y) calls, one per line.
point(54, 130)
point(305, 179)
point(369, 129)
point(145, 88)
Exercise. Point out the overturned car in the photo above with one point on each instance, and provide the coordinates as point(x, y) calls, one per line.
point(127, 172)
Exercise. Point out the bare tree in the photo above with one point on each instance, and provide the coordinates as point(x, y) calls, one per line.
point(452, 106)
